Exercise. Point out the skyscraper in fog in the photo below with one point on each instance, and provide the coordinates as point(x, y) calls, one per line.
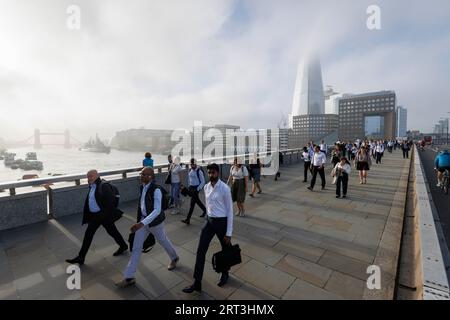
point(308, 94)
point(308, 120)
point(402, 121)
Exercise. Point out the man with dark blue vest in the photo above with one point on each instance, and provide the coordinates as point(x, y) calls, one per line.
point(150, 220)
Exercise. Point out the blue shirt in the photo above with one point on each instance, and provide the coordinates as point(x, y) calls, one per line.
point(193, 178)
point(147, 162)
point(442, 160)
point(93, 205)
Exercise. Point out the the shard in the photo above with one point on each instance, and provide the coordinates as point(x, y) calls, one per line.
point(308, 94)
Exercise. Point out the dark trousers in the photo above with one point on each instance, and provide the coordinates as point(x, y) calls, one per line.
point(195, 200)
point(378, 156)
point(405, 154)
point(92, 227)
point(307, 166)
point(321, 172)
point(343, 179)
point(212, 226)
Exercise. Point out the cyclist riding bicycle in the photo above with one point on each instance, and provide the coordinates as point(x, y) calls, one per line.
point(442, 163)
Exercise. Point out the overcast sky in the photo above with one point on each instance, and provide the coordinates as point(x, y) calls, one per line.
point(164, 64)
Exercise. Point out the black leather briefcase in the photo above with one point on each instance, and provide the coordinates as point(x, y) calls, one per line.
point(148, 243)
point(225, 259)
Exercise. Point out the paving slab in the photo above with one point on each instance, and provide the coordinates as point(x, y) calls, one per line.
point(295, 244)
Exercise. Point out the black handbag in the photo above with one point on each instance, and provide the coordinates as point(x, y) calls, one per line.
point(148, 243)
point(223, 260)
point(169, 178)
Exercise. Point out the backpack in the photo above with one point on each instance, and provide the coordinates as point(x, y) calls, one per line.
point(114, 190)
point(164, 197)
point(198, 174)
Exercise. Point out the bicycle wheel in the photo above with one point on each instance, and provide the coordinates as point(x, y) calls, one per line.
point(444, 186)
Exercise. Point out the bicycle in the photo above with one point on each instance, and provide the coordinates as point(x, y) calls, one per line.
point(445, 182)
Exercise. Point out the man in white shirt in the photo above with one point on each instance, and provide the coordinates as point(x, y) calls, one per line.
point(318, 163)
point(150, 220)
point(196, 182)
point(219, 222)
point(323, 147)
point(379, 150)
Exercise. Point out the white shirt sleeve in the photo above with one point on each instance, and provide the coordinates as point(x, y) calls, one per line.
point(157, 208)
point(348, 168)
point(323, 159)
point(228, 202)
point(245, 171)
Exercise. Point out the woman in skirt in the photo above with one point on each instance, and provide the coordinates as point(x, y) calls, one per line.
point(239, 182)
point(363, 163)
point(255, 173)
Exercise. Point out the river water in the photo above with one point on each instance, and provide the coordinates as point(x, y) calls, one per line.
point(58, 160)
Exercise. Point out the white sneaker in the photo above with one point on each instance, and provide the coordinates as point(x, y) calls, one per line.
point(439, 185)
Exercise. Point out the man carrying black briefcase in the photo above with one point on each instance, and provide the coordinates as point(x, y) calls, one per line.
point(219, 222)
point(223, 260)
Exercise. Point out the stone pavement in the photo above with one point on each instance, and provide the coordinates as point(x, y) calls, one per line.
point(296, 244)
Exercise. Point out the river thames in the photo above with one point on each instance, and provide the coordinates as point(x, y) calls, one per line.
point(58, 160)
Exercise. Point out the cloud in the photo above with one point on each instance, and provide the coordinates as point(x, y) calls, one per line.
point(164, 64)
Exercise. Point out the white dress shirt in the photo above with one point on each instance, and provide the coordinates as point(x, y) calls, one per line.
point(346, 168)
point(219, 203)
point(148, 218)
point(93, 205)
point(319, 159)
point(238, 173)
point(306, 156)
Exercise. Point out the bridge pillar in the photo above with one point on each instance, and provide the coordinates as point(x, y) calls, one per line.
point(67, 139)
point(37, 139)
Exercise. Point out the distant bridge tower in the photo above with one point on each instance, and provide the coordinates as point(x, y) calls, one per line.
point(37, 139)
point(67, 139)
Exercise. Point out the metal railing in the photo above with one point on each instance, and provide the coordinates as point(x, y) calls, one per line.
point(434, 252)
point(76, 178)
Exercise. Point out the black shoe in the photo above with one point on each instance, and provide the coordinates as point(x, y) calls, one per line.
point(203, 215)
point(309, 188)
point(323, 188)
point(187, 221)
point(344, 197)
point(76, 260)
point(223, 279)
point(120, 251)
point(338, 197)
point(197, 286)
point(260, 191)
